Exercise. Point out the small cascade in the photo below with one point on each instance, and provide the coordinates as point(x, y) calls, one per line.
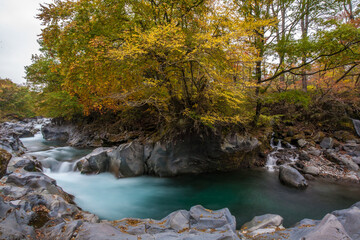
point(271, 158)
point(278, 150)
point(66, 167)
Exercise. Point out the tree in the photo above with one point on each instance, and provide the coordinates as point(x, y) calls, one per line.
point(177, 57)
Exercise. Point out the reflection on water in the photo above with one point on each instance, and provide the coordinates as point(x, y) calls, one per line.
point(246, 193)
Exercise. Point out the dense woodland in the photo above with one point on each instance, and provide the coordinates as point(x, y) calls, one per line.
point(175, 64)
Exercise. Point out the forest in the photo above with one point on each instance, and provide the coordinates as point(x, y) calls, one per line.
point(194, 64)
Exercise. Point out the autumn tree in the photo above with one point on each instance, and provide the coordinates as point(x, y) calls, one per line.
point(177, 57)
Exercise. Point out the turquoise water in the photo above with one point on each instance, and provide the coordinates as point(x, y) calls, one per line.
point(246, 193)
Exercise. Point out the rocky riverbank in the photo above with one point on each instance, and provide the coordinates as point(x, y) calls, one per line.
point(189, 154)
point(32, 206)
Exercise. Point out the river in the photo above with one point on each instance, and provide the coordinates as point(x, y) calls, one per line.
point(247, 193)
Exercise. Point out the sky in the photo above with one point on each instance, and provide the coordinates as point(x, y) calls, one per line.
point(19, 30)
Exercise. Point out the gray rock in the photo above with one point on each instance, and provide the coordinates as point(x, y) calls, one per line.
point(356, 160)
point(267, 221)
point(304, 156)
point(328, 229)
point(97, 161)
point(312, 170)
point(128, 160)
point(350, 219)
point(327, 143)
point(180, 220)
point(314, 151)
point(302, 143)
point(341, 159)
point(291, 177)
point(55, 133)
point(198, 154)
point(201, 218)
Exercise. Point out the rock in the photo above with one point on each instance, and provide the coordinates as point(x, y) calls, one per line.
point(327, 143)
point(4, 160)
point(328, 229)
point(302, 143)
point(197, 154)
point(356, 160)
point(202, 219)
point(28, 165)
point(55, 133)
point(11, 143)
point(309, 177)
point(291, 177)
point(262, 224)
point(350, 219)
point(304, 156)
point(312, 170)
point(97, 161)
point(128, 160)
point(340, 159)
point(180, 220)
point(314, 151)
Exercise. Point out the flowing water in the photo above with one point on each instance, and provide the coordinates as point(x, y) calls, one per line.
point(246, 193)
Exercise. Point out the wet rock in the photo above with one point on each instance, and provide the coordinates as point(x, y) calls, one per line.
point(291, 177)
point(312, 170)
point(327, 143)
point(28, 165)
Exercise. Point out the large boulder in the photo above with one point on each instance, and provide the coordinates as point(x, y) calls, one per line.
point(291, 177)
point(128, 160)
point(198, 154)
point(97, 161)
point(56, 133)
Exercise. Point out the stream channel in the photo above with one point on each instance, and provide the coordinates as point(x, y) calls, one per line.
point(247, 193)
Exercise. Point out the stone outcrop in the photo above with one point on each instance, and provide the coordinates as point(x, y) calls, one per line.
point(191, 155)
